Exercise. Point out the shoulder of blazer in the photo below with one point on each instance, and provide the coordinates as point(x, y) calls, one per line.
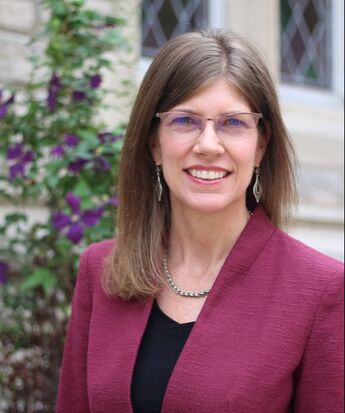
point(92, 261)
point(297, 255)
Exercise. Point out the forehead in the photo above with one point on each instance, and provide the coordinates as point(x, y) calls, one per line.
point(215, 98)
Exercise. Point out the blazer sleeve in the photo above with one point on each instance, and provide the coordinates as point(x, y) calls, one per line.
point(72, 392)
point(320, 385)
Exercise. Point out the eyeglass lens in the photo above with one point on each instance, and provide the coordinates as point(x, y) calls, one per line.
point(237, 124)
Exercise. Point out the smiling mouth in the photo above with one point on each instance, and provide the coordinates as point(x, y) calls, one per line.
point(207, 175)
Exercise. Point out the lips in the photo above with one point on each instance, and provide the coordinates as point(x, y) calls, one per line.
point(208, 174)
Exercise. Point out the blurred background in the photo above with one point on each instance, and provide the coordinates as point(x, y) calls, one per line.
point(64, 104)
point(303, 42)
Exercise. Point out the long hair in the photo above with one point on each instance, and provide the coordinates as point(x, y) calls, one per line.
point(185, 64)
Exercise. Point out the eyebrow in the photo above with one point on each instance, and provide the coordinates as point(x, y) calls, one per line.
point(228, 113)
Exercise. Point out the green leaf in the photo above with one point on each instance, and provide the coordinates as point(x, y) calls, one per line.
point(82, 189)
point(41, 277)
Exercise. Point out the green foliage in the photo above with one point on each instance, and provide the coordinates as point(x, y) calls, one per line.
point(54, 150)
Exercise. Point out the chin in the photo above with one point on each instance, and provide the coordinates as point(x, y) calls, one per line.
point(209, 206)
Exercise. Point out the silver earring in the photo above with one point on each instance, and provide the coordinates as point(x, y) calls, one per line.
point(257, 189)
point(159, 187)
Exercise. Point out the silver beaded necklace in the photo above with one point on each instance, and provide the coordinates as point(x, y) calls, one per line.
point(175, 288)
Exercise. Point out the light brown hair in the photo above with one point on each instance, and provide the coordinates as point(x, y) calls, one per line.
point(185, 64)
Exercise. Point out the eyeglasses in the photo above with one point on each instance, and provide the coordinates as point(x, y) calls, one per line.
point(184, 125)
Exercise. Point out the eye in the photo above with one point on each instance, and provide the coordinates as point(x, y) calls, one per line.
point(183, 120)
point(234, 122)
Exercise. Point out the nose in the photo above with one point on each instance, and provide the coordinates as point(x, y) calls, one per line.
point(208, 142)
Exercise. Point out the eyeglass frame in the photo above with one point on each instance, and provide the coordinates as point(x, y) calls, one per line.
point(215, 120)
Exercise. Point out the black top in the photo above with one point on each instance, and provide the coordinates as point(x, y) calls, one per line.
point(161, 345)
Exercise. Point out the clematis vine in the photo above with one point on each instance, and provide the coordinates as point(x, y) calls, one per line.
point(18, 159)
point(74, 224)
point(4, 105)
point(3, 272)
point(97, 161)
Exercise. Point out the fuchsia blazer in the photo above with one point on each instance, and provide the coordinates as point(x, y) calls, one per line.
point(269, 338)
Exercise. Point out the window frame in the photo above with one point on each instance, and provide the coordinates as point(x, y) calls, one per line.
point(216, 20)
point(333, 97)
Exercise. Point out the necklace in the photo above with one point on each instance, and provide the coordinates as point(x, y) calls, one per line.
point(175, 288)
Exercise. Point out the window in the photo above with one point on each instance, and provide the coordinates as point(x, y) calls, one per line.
point(306, 42)
point(164, 19)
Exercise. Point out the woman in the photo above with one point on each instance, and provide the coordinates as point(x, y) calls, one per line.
point(204, 304)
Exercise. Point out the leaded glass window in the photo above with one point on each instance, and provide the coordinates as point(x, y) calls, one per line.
point(306, 42)
point(164, 19)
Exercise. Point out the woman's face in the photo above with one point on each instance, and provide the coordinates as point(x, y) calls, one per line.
point(208, 173)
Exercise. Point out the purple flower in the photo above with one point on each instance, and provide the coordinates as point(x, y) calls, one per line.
point(101, 164)
point(3, 272)
point(18, 160)
point(74, 224)
point(95, 81)
point(58, 151)
point(78, 96)
point(77, 165)
point(4, 105)
point(107, 137)
point(71, 140)
point(53, 91)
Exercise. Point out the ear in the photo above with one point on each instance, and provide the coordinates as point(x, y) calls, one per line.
point(263, 139)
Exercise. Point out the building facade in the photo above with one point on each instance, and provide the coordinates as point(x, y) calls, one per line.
point(303, 42)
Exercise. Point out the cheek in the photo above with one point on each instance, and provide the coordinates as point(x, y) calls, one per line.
point(244, 153)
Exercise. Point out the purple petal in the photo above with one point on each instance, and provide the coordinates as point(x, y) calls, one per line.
point(61, 220)
point(74, 202)
point(3, 110)
point(71, 140)
point(3, 272)
point(51, 101)
point(76, 166)
point(58, 151)
point(15, 151)
point(55, 82)
point(53, 90)
point(78, 96)
point(95, 81)
point(91, 217)
point(75, 233)
point(28, 157)
point(16, 170)
point(101, 164)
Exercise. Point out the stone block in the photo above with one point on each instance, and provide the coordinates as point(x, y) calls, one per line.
point(14, 52)
point(17, 15)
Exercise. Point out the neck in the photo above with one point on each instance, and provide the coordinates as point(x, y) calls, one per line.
point(204, 239)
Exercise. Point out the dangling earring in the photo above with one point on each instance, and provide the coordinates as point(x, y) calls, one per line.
point(257, 189)
point(159, 187)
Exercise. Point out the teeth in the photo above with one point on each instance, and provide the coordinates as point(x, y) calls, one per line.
point(208, 175)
